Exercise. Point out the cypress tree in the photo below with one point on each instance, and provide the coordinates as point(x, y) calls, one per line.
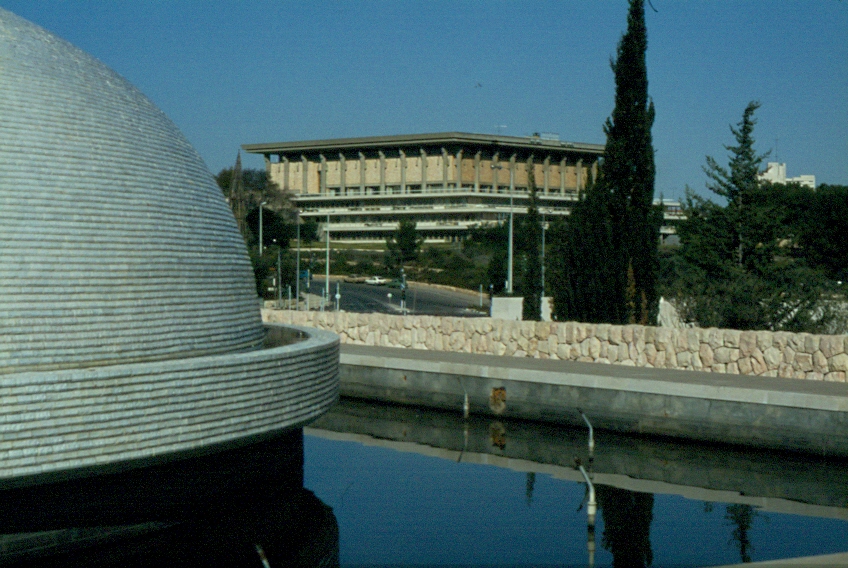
point(628, 175)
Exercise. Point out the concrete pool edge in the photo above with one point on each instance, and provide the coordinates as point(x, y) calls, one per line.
point(787, 414)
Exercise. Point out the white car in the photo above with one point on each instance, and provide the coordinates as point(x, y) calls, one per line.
point(376, 280)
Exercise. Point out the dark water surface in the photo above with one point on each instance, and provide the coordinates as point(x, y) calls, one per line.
point(384, 485)
point(412, 487)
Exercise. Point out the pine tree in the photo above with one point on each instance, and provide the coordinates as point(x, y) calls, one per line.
point(629, 173)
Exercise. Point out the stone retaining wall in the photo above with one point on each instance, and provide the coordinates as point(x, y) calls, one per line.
point(773, 354)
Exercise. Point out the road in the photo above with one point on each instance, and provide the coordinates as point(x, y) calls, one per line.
point(420, 299)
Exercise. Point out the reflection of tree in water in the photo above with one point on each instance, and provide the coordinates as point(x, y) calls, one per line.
point(627, 526)
point(528, 491)
point(741, 517)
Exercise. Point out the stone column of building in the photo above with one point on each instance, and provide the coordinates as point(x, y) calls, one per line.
point(459, 169)
point(563, 165)
point(546, 168)
point(323, 184)
point(285, 161)
point(444, 168)
point(382, 172)
point(477, 171)
point(495, 171)
point(579, 170)
point(304, 164)
point(342, 175)
point(594, 171)
point(402, 172)
point(361, 173)
point(423, 171)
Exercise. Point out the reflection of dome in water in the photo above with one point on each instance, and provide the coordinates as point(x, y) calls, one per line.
point(117, 244)
point(129, 322)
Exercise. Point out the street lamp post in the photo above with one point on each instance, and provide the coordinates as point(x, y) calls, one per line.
point(327, 281)
point(509, 251)
point(260, 226)
point(297, 279)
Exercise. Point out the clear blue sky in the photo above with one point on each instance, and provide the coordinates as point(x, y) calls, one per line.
point(229, 73)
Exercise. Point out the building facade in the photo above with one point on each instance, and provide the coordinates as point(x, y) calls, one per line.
point(776, 173)
point(446, 182)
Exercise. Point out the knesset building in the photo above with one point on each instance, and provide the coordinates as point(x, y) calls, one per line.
point(447, 182)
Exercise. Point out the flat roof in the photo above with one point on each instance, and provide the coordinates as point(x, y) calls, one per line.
point(444, 138)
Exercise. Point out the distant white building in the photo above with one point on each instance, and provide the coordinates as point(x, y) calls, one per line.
point(776, 173)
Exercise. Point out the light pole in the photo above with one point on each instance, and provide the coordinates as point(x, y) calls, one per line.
point(509, 251)
point(260, 226)
point(297, 279)
point(327, 281)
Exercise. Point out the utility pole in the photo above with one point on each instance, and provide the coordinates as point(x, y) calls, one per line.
point(260, 226)
point(509, 251)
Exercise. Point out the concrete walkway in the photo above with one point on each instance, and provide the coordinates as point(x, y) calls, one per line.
point(808, 416)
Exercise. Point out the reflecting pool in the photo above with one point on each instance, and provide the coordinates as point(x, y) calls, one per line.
point(412, 487)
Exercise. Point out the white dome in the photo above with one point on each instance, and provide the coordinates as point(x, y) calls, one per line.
point(116, 245)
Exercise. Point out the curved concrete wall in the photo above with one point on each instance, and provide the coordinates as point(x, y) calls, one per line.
point(117, 245)
point(54, 423)
point(766, 353)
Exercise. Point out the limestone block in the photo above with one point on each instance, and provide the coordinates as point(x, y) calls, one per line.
point(681, 340)
point(627, 333)
point(693, 340)
point(785, 371)
point(499, 348)
point(839, 362)
point(722, 355)
point(581, 331)
point(514, 329)
point(603, 360)
point(804, 362)
point(543, 347)
point(684, 359)
point(732, 337)
point(758, 362)
point(663, 338)
point(543, 330)
point(641, 361)
point(447, 326)
point(575, 351)
point(528, 329)
point(406, 338)
point(615, 334)
point(602, 331)
point(497, 330)
point(523, 343)
point(438, 342)
point(570, 332)
point(585, 359)
point(747, 343)
point(831, 345)
point(634, 353)
point(800, 375)
point(520, 353)
point(820, 362)
point(605, 349)
point(745, 366)
point(697, 365)
point(563, 351)
point(670, 359)
point(780, 339)
point(773, 357)
point(796, 342)
point(811, 343)
point(814, 376)
point(624, 352)
point(393, 338)
point(716, 338)
point(612, 354)
point(836, 376)
point(650, 335)
point(457, 341)
point(788, 355)
point(764, 340)
point(650, 353)
point(584, 348)
point(719, 368)
point(553, 344)
point(706, 354)
point(594, 347)
point(770, 373)
point(371, 338)
point(733, 368)
point(659, 359)
point(628, 363)
point(511, 347)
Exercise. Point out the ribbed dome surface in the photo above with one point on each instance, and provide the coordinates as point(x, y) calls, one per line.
point(116, 245)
